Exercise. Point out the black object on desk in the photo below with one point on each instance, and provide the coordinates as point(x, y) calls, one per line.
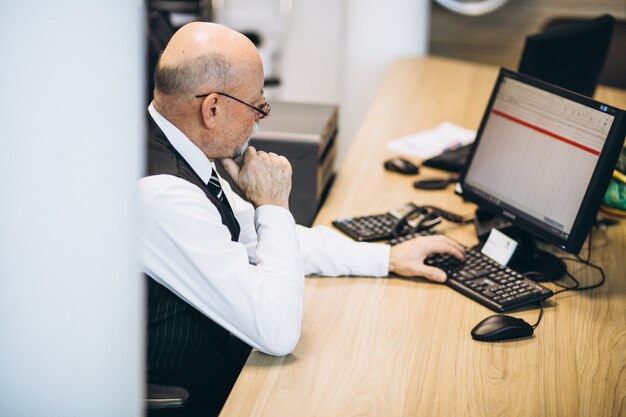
point(401, 166)
point(506, 165)
point(500, 327)
point(434, 183)
point(484, 280)
point(398, 222)
point(386, 225)
point(453, 160)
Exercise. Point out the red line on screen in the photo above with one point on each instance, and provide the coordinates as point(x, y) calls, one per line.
point(545, 132)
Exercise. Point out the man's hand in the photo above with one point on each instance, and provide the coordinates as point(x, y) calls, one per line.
point(265, 178)
point(407, 258)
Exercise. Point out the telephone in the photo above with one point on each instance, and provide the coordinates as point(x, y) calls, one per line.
point(408, 218)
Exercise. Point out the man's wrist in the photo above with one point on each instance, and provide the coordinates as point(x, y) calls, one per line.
point(280, 204)
point(392, 260)
point(270, 214)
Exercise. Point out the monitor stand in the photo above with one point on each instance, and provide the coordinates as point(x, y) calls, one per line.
point(528, 258)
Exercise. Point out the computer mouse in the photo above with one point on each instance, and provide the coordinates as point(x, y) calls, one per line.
point(500, 327)
point(401, 166)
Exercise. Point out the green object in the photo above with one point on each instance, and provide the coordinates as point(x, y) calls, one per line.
point(615, 196)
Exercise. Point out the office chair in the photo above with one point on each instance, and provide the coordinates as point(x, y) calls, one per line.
point(159, 34)
point(570, 56)
point(178, 6)
point(614, 72)
point(159, 397)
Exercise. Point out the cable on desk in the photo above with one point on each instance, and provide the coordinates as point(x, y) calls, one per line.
point(586, 262)
point(534, 326)
point(576, 286)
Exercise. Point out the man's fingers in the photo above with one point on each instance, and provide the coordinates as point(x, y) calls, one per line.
point(231, 167)
point(446, 246)
point(249, 154)
point(431, 273)
point(407, 258)
point(442, 244)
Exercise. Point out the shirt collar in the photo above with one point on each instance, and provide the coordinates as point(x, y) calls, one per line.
point(188, 150)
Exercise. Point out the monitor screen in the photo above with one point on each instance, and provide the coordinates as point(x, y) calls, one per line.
point(543, 157)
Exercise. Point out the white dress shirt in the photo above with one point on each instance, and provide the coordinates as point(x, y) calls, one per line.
point(254, 287)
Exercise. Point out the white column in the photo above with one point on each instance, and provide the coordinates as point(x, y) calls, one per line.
point(376, 33)
point(71, 135)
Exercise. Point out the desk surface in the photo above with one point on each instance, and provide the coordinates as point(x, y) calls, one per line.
point(401, 347)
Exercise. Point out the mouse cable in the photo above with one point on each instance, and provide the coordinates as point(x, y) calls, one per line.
point(586, 262)
point(576, 286)
point(534, 326)
point(539, 304)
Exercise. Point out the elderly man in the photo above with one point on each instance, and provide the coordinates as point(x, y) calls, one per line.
point(225, 274)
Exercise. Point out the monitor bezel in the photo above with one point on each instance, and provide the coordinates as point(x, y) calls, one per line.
point(597, 185)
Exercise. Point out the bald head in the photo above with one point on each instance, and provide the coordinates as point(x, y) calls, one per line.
point(202, 57)
point(199, 74)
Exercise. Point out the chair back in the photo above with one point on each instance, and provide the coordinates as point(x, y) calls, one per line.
point(570, 55)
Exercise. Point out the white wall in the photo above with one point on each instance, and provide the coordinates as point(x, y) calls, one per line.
point(71, 301)
point(338, 52)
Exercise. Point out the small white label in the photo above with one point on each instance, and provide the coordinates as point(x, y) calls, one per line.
point(499, 247)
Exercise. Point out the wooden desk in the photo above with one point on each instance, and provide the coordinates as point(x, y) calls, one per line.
point(401, 347)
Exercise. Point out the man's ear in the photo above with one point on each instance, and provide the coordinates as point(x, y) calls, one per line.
point(210, 108)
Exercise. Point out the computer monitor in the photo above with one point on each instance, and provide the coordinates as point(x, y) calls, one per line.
point(542, 159)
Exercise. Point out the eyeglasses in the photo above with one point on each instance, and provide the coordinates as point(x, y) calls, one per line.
point(264, 109)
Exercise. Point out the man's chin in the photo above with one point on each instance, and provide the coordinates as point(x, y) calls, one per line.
point(238, 156)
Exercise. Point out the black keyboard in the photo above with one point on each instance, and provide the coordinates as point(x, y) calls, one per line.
point(368, 228)
point(487, 282)
point(411, 235)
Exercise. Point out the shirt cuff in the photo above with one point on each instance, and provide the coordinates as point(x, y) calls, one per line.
point(269, 214)
point(378, 259)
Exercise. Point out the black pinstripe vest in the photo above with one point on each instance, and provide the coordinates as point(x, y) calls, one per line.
point(181, 340)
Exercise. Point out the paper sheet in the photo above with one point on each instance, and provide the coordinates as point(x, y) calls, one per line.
point(429, 143)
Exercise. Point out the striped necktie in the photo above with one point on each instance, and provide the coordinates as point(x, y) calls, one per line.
point(215, 187)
